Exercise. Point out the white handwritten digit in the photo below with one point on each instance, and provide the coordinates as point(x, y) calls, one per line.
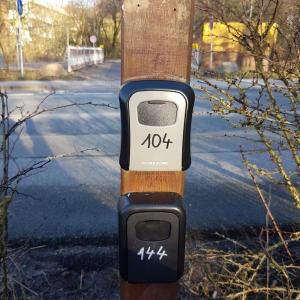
point(161, 254)
point(150, 253)
point(141, 253)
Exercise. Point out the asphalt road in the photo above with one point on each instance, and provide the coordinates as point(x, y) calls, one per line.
point(75, 197)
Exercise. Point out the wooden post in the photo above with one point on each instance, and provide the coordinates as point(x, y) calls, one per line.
point(156, 44)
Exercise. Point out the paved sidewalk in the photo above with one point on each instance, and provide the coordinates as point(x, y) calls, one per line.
point(90, 79)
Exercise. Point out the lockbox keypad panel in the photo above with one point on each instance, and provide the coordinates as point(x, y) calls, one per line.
point(157, 147)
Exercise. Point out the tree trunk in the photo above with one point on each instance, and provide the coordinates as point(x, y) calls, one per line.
point(4, 31)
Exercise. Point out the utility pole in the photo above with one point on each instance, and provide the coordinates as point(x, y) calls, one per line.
point(68, 50)
point(20, 9)
point(156, 45)
point(251, 10)
point(20, 48)
point(211, 28)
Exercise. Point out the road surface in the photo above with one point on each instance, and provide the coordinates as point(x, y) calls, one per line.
point(75, 197)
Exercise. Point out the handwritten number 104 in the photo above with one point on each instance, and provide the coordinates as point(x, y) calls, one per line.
point(156, 140)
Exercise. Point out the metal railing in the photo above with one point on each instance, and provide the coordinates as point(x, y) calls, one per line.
point(79, 57)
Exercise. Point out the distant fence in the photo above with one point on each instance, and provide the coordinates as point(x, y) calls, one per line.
point(79, 57)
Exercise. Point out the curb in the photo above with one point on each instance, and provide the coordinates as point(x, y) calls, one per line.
point(38, 86)
point(59, 86)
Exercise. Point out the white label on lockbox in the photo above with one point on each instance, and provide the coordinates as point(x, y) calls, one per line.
point(157, 147)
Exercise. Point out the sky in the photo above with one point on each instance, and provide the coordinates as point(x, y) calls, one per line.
point(58, 2)
point(55, 2)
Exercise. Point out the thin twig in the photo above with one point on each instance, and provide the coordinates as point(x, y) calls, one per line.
point(262, 197)
point(24, 286)
point(260, 290)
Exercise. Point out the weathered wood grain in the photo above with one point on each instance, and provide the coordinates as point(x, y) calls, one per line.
point(156, 39)
point(134, 181)
point(156, 44)
point(162, 291)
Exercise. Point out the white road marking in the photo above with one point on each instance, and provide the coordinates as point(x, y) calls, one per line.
point(20, 94)
point(83, 93)
point(62, 93)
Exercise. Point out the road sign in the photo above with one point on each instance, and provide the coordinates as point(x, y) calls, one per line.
point(93, 39)
point(20, 7)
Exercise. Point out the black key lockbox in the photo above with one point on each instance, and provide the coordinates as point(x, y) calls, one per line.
point(151, 237)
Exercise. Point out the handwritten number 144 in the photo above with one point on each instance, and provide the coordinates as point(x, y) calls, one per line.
point(150, 252)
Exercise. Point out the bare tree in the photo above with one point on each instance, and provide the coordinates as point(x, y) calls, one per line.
point(9, 182)
point(111, 22)
point(5, 34)
point(81, 22)
point(274, 112)
point(101, 18)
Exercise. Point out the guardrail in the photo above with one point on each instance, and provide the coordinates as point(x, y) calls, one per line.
point(79, 57)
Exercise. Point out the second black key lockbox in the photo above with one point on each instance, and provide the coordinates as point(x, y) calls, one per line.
point(151, 237)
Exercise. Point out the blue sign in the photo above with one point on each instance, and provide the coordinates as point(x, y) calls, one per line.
point(20, 7)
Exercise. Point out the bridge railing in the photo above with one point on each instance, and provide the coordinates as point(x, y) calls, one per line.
point(79, 57)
